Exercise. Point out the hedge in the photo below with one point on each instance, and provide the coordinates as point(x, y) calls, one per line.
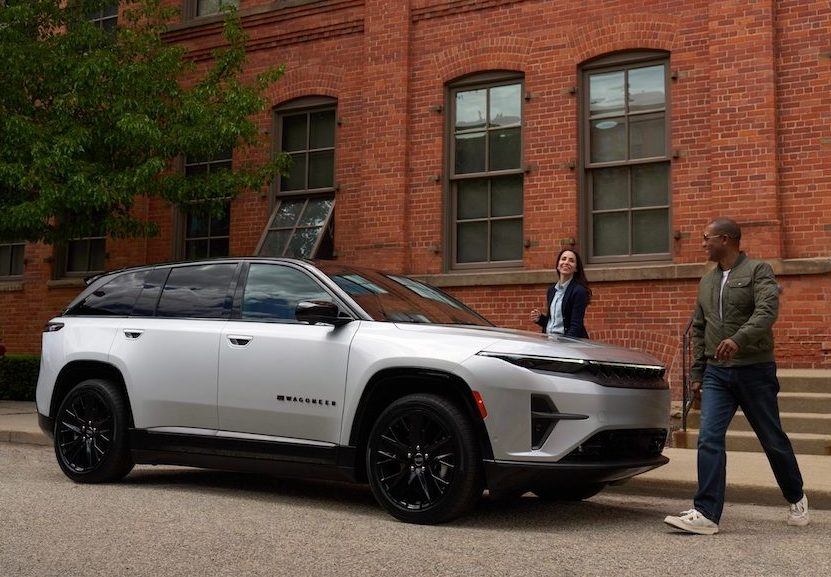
point(19, 377)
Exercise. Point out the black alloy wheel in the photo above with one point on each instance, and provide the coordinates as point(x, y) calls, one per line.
point(423, 461)
point(91, 433)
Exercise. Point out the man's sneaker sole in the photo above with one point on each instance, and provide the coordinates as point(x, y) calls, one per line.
point(798, 522)
point(679, 524)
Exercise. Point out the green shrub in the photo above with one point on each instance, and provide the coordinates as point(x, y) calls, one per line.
point(19, 377)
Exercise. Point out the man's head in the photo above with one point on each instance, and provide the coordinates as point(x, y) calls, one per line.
point(721, 239)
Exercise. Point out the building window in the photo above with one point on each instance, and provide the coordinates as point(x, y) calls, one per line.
point(302, 223)
point(206, 234)
point(106, 18)
point(11, 259)
point(83, 256)
point(486, 175)
point(209, 7)
point(626, 157)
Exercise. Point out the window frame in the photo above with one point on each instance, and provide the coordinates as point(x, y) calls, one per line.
point(4, 266)
point(190, 10)
point(624, 61)
point(223, 158)
point(483, 80)
point(63, 250)
point(102, 20)
point(307, 106)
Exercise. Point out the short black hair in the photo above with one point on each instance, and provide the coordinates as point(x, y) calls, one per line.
point(727, 227)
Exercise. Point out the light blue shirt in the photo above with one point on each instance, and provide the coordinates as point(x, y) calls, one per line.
point(555, 313)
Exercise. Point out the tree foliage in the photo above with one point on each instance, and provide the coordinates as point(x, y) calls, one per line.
point(90, 119)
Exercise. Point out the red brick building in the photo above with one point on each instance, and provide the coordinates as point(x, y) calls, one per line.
point(467, 141)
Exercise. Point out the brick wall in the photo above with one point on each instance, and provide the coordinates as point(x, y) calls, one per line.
point(750, 110)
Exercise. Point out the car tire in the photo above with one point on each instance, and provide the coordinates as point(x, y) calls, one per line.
point(91, 433)
point(423, 460)
point(568, 492)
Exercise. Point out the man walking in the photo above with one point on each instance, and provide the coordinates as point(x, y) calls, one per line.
point(733, 366)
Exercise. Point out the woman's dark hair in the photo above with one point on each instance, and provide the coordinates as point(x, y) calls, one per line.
point(579, 274)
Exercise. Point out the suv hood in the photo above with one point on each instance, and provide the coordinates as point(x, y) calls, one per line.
point(526, 343)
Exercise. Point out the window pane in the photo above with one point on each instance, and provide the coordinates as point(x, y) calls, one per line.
point(273, 292)
point(506, 149)
point(296, 179)
point(322, 129)
point(606, 93)
point(650, 231)
point(218, 247)
point(650, 185)
point(470, 109)
point(646, 88)
point(316, 212)
point(610, 188)
point(321, 169)
point(196, 249)
point(205, 7)
point(221, 226)
point(5, 259)
point(294, 133)
point(472, 199)
point(302, 243)
point(117, 297)
point(470, 153)
point(198, 223)
point(78, 256)
point(275, 243)
point(611, 234)
point(17, 260)
point(196, 291)
point(647, 137)
point(287, 214)
point(506, 105)
point(97, 254)
point(506, 240)
point(506, 196)
point(472, 238)
point(608, 140)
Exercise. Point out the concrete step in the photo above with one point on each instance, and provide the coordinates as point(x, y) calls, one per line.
point(804, 380)
point(803, 443)
point(805, 403)
point(817, 423)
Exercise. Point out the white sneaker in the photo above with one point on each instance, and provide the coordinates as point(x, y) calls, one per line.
point(693, 522)
point(798, 513)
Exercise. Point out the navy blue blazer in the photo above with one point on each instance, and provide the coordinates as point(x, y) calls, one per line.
point(575, 300)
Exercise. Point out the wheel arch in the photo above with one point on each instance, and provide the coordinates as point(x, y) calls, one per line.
point(391, 384)
point(78, 371)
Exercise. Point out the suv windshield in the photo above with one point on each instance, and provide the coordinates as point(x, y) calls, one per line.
point(400, 299)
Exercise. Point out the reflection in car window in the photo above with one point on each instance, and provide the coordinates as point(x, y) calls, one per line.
point(396, 298)
point(115, 298)
point(197, 291)
point(273, 291)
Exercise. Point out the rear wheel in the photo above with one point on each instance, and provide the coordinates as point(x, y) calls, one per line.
point(91, 433)
point(423, 460)
point(569, 492)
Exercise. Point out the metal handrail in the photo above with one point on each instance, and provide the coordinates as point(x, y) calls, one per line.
point(686, 366)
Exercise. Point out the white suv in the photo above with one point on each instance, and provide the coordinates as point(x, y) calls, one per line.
point(331, 371)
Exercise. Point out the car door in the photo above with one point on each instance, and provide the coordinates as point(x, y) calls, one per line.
point(279, 377)
point(168, 351)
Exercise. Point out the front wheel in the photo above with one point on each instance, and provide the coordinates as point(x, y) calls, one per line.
point(423, 460)
point(91, 433)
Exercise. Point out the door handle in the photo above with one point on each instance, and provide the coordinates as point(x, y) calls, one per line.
point(132, 334)
point(239, 340)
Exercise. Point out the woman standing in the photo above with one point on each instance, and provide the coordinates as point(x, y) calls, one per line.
point(567, 299)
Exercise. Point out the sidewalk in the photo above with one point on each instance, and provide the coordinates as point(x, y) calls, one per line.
point(749, 478)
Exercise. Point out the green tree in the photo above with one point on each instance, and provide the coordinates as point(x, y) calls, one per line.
point(92, 118)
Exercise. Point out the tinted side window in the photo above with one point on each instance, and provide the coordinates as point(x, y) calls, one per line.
point(115, 298)
point(197, 291)
point(273, 291)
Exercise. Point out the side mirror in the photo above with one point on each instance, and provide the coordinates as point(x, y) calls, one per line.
point(325, 312)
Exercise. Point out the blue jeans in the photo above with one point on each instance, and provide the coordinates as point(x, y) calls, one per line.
point(754, 389)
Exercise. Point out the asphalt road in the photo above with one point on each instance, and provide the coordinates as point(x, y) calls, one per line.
point(168, 521)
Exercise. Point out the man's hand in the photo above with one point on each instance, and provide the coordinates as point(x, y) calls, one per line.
point(535, 315)
point(726, 349)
